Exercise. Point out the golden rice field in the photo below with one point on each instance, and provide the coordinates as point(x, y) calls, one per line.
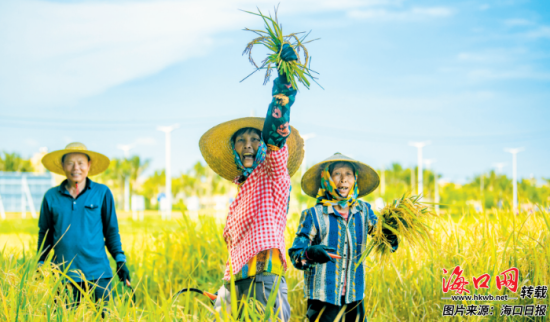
point(166, 256)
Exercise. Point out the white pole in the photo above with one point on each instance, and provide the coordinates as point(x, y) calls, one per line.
point(499, 167)
point(429, 163)
point(482, 190)
point(2, 211)
point(383, 182)
point(303, 167)
point(420, 173)
point(482, 183)
point(515, 180)
point(419, 146)
point(126, 194)
point(514, 177)
point(413, 179)
point(436, 194)
point(167, 131)
point(23, 204)
point(27, 192)
point(168, 177)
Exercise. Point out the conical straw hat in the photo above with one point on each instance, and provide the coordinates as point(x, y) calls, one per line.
point(367, 179)
point(52, 160)
point(215, 146)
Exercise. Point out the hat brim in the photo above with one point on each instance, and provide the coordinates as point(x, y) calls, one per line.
point(367, 178)
point(52, 161)
point(216, 148)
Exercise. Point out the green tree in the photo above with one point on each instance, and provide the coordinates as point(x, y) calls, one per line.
point(151, 187)
point(201, 181)
point(121, 169)
point(13, 162)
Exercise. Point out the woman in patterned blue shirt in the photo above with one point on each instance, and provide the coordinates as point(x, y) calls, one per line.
point(338, 224)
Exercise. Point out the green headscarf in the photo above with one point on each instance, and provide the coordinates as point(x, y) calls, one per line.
point(328, 194)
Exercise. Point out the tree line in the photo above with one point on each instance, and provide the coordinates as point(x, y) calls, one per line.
point(486, 190)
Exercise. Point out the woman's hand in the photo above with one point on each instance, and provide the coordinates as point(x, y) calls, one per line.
point(319, 254)
point(392, 238)
point(288, 54)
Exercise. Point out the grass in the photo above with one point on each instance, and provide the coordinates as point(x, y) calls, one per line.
point(166, 256)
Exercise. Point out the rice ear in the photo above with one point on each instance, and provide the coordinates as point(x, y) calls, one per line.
point(274, 39)
point(406, 218)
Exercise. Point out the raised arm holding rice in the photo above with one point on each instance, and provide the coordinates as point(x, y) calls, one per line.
point(258, 155)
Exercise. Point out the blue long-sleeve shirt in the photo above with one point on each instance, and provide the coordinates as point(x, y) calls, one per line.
point(321, 225)
point(78, 229)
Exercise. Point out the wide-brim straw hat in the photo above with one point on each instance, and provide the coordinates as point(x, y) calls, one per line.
point(216, 148)
point(52, 160)
point(367, 179)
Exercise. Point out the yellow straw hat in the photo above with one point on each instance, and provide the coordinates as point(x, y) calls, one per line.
point(52, 160)
point(216, 148)
point(367, 179)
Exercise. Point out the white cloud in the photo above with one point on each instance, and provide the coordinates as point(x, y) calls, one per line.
point(146, 141)
point(58, 52)
point(525, 72)
point(494, 55)
point(53, 53)
point(317, 5)
point(500, 64)
point(484, 7)
point(540, 32)
point(404, 15)
point(472, 57)
point(518, 22)
point(31, 142)
point(481, 94)
point(432, 12)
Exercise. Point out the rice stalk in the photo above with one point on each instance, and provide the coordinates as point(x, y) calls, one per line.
point(164, 256)
point(273, 39)
point(406, 218)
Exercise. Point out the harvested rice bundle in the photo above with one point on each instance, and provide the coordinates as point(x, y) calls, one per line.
point(406, 218)
point(274, 40)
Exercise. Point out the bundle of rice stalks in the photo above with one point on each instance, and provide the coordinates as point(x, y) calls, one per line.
point(274, 39)
point(407, 219)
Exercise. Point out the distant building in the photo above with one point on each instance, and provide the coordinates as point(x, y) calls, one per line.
point(23, 191)
point(36, 160)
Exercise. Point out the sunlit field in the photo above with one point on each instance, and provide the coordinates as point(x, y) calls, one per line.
point(166, 256)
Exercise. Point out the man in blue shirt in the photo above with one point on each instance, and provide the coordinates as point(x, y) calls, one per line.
point(78, 219)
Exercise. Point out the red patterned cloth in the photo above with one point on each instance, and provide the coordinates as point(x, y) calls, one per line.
point(257, 217)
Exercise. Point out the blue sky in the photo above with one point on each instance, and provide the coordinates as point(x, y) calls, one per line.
point(472, 77)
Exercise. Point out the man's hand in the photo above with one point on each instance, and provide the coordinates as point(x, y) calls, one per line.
point(123, 272)
point(319, 254)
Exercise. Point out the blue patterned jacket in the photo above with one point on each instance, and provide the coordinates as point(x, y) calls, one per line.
point(321, 225)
